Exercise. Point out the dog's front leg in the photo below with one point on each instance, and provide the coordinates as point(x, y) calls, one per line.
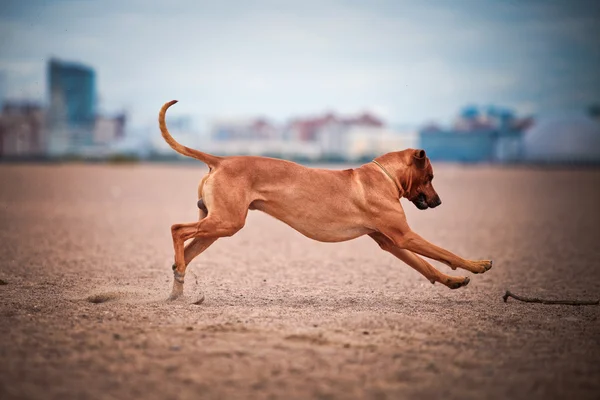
point(397, 230)
point(419, 264)
point(415, 243)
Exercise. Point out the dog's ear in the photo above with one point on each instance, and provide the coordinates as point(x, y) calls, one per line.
point(420, 159)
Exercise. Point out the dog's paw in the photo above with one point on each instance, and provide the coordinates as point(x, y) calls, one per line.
point(177, 291)
point(457, 282)
point(479, 267)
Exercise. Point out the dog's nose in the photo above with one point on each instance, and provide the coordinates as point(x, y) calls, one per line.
point(436, 202)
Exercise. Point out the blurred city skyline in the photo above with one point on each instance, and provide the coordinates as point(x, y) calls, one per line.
point(407, 62)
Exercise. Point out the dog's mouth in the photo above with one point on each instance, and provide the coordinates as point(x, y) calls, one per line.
point(423, 203)
point(420, 202)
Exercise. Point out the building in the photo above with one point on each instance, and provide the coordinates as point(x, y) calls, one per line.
point(72, 107)
point(364, 143)
point(326, 137)
point(243, 129)
point(460, 146)
point(108, 129)
point(572, 139)
point(255, 136)
point(323, 137)
point(309, 128)
point(491, 134)
point(346, 138)
point(22, 132)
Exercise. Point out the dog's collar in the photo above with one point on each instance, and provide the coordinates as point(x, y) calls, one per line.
point(389, 176)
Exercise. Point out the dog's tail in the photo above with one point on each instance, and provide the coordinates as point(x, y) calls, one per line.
point(208, 159)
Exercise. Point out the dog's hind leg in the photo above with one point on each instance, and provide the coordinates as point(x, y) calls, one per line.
point(191, 251)
point(194, 248)
point(205, 232)
point(226, 217)
point(416, 262)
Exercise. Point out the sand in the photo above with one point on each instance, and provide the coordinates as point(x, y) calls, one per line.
point(86, 261)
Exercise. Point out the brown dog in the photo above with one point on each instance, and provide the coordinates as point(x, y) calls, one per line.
point(324, 205)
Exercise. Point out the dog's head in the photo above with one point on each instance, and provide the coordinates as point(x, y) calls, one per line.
point(420, 190)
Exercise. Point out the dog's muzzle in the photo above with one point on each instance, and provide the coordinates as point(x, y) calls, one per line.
point(422, 204)
point(435, 202)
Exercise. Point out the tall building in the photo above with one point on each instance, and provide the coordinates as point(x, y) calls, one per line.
point(2, 89)
point(72, 107)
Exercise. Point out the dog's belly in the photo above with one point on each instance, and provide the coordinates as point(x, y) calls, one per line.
point(328, 232)
point(314, 223)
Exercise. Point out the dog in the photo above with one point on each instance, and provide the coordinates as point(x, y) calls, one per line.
point(324, 205)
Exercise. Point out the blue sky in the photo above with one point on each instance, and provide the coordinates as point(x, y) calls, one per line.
point(409, 61)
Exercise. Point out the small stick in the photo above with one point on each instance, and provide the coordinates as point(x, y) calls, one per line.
point(543, 301)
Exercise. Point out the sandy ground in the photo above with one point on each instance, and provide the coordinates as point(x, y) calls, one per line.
point(86, 258)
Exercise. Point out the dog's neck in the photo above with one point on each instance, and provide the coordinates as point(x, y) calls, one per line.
point(393, 170)
point(399, 187)
point(407, 180)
